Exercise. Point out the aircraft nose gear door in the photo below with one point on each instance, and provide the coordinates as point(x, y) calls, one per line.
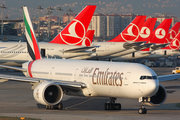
point(126, 80)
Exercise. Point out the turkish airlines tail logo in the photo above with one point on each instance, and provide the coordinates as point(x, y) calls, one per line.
point(160, 33)
point(131, 32)
point(88, 38)
point(74, 33)
point(173, 32)
point(175, 43)
point(145, 32)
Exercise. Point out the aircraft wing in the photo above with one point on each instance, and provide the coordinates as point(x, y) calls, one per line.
point(13, 68)
point(129, 45)
point(80, 49)
point(64, 84)
point(141, 47)
point(168, 77)
point(156, 47)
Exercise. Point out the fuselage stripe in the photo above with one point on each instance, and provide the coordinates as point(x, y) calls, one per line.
point(29, 68)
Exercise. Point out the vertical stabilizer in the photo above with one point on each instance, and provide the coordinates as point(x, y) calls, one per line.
point(175, 43)
point(88, 38)
point(131, 32)
point(173, 32)
point(160, 33)
point(74, 32)
point(32, 45)
point(146, 30)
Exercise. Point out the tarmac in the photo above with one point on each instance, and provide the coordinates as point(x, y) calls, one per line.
point(16, 99)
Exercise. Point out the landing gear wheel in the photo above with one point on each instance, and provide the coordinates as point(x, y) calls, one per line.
point(60, 106)
point(48, 107)
point(112, 106)
point(53, 107)
point(142, 111)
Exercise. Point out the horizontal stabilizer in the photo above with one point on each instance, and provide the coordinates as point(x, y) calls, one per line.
point(13, 68)
point(129, 45)
point(156, 47)
point(80, 49)
point(168, 77)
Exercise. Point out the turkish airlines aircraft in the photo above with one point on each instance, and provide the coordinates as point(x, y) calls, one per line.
point(50, 78)
point(145, 35)
point(156, 36)
point(172, 48)
point(74, 40)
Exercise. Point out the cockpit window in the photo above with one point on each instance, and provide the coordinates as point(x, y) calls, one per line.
point(148, 77)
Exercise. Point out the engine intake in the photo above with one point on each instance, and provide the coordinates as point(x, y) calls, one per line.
point(48, 93)
point(158, 99)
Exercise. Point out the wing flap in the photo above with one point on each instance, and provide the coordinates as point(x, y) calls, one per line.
point(156, 47)
point(168, 77)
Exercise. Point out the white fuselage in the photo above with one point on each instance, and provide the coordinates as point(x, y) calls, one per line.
point(106, 79)
point(132, 56)
point(108, 48)
point(163, 53)
point(15, 53)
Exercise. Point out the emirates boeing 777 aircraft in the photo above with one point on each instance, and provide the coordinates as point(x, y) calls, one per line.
point(51, 78)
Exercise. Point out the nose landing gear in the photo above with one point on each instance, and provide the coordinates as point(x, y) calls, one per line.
point(142, 110)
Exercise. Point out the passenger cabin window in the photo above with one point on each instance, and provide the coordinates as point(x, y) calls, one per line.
point(148, 77)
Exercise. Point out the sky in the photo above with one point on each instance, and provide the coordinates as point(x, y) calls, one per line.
point(146, 7)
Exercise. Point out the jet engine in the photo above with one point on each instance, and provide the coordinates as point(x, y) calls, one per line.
point(157, 99)
point(48, 93)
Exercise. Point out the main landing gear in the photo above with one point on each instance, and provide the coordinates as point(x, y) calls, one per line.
point(111, 105)
point(53, 107)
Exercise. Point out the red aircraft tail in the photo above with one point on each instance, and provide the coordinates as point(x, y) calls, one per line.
point(173, 32)
point(74, 32)
point(160, 33)
point(131, 32)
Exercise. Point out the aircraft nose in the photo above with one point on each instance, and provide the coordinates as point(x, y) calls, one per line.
point(153, 86)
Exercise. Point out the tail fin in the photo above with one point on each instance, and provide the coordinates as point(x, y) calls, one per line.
point(32, 45)
point(146, 30)
point(175, 43)
point(131, 32)
point(160, 33)
point(88, 38)
point(173, 32)
point(74, 32)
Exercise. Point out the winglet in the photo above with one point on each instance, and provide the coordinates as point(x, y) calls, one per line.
point(32, 45)
point(74, 32)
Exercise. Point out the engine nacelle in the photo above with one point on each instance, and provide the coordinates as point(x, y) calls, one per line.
point(48, 93)
point(158, 99)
